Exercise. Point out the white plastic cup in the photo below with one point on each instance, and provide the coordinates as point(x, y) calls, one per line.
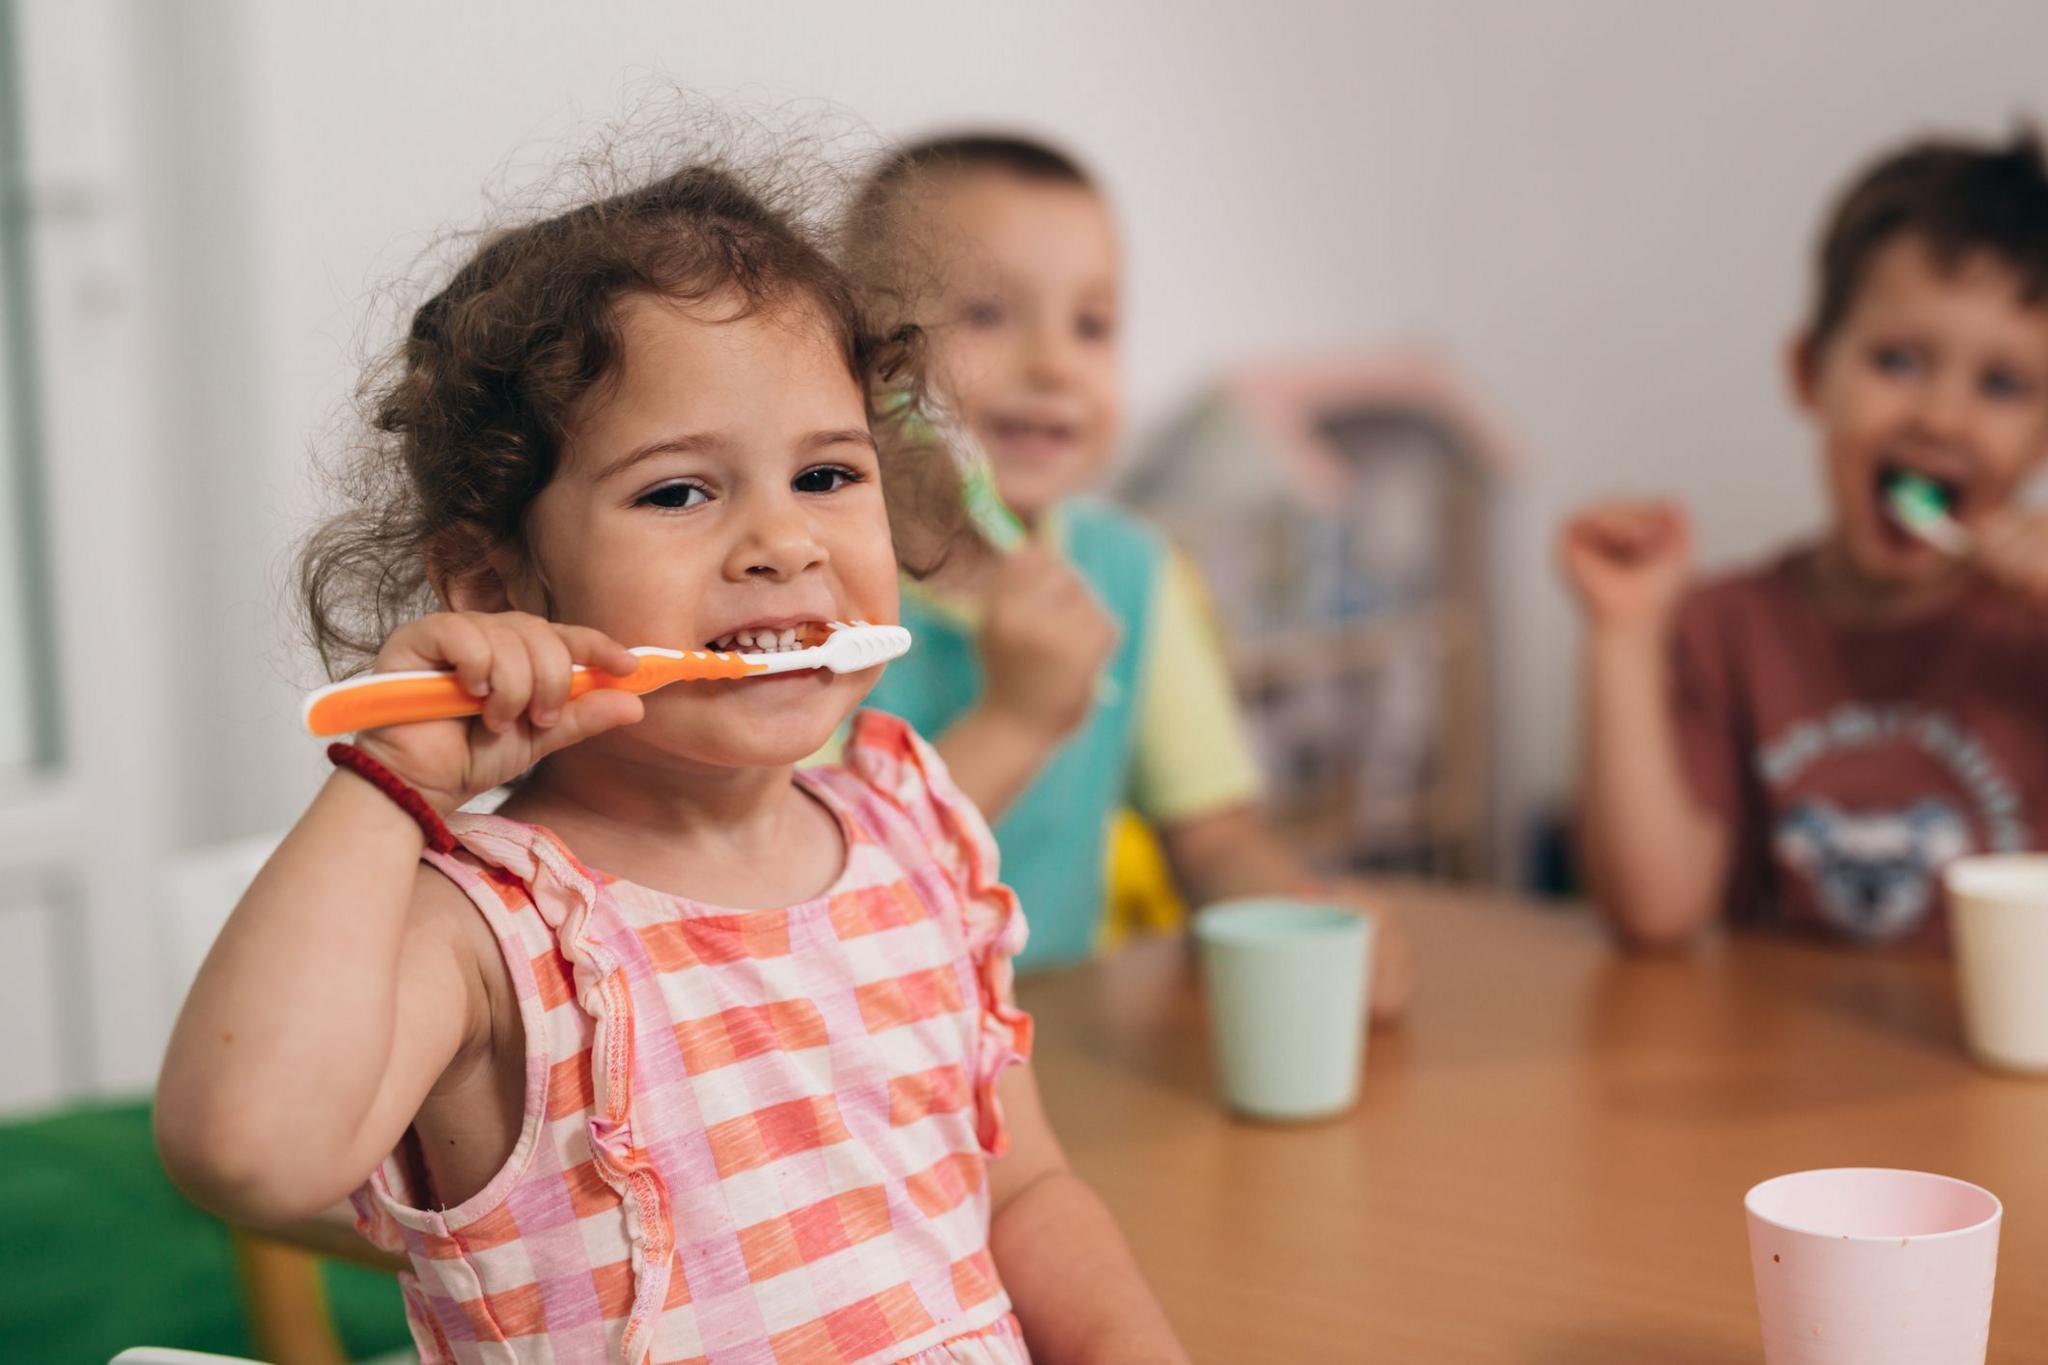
point(1998, 910)
point(1287, 983)
point(1873, 1267)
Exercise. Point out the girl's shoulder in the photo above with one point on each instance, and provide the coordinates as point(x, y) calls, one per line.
point(884, 763)
point(900, 789)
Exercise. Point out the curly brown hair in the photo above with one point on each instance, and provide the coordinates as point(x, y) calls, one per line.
point(464, 421)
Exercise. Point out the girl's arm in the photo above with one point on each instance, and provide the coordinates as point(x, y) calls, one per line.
point(350, 977)
point(332, 1233)
point(1070, 1275)
point(327, 1009)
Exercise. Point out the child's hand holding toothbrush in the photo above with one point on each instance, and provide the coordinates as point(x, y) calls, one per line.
point(1044, 643)
point(520, 665)
point(2010, 547)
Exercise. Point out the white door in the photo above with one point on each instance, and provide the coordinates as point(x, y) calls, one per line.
point(83, 786)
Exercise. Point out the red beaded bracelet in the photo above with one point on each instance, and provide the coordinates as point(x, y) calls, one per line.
point(439, 837)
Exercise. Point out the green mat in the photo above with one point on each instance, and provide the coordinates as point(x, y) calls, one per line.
point(99, 1253)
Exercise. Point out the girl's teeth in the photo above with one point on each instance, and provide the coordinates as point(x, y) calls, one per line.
point(760, 641)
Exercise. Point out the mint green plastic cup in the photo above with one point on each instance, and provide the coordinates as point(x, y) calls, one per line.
point(1286, 983)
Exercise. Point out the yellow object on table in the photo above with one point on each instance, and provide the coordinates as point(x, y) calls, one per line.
point(1141, 898)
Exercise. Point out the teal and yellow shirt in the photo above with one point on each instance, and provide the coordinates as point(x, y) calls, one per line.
point(1164, 737)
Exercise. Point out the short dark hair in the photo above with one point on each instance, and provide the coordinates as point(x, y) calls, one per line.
point(1960, 198)
point(1020, 156)
point(883, 242)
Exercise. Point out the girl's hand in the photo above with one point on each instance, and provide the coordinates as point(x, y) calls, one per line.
point(1043, 643)
point(2010, 547)
point(1627, 562)
point(520, 666)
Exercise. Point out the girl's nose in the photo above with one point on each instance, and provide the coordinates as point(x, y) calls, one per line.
point(776, 542)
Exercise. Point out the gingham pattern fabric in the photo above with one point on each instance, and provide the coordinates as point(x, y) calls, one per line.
point(751, 1137)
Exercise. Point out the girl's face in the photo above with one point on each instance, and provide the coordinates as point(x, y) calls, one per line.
point(725, 481)
point(1025, 346)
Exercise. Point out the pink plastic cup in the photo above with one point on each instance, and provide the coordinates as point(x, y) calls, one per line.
point(1873, 1267)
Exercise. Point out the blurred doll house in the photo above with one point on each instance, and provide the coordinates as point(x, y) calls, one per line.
point(1340, 510)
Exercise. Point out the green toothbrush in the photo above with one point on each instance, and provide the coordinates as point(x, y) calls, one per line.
point(1922, 507)
point(990, 516)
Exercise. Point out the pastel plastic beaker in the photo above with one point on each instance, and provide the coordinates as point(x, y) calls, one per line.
point(1860, 1266)
point(1287, 986)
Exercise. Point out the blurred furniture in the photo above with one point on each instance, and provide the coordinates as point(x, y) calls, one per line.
point(1549, 1161)
point(289, 1319)
point(1339, 510)
point(71, 1293)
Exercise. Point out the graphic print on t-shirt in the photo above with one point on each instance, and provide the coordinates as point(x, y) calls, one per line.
point(1872, 802)
point(1872, 872)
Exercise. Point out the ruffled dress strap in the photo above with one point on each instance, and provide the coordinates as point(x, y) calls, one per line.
point(566, 894)
point(544, 906)
point(892, 760)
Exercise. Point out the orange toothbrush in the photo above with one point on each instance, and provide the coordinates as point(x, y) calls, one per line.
point(377, 699)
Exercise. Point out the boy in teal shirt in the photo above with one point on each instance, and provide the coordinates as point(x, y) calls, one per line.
point(1076, 674)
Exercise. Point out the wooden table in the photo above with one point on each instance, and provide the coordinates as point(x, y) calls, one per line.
point(1549, 1161)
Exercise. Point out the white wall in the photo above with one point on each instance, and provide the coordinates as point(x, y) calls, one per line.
point(1600, 210)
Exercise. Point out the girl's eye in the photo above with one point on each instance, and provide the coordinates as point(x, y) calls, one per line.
point(825, 478)
point(2002, 384)
point(1091, 328)
point(1896, 360)
point(676, 497)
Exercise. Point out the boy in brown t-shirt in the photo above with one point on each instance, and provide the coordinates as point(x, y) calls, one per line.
point(1808, 742)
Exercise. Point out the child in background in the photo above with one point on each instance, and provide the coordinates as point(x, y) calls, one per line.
point(1809, 741)
point(681, 1054)
point(1077, 674)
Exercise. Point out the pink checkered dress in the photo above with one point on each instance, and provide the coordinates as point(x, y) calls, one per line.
point(751, 1136)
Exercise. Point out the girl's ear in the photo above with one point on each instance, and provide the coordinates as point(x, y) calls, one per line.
point(468, 575)
point(1802, 369)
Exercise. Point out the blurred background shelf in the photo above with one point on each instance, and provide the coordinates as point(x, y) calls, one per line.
point(1341, 512)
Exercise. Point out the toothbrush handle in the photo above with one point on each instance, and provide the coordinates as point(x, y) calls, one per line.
point(379, 699)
